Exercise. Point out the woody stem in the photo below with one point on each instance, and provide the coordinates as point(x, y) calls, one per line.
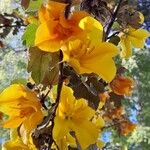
point(116, 9)
point(59, 88)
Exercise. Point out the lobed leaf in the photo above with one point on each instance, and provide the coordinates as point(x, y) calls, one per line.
point(34, 5)
point(29, 35)
point(43, 66)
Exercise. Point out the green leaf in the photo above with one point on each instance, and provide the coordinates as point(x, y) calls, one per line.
point(34, 5)
point(43, 66)
point(19, 81)
point(29, 35)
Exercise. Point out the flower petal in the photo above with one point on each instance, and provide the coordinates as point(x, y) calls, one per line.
point(126, 48)
point(60, 128)
point(44, 14)
point(33, 120)
point(14, 91)
point(93, 28)
point(83, 112)
point(86, 134)
point(56, 8)
point(100, 61)
point(44, 34)
point(138, 38)
point(13, 122)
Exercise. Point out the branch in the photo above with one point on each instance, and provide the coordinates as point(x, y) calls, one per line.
point(68, 7)
point(117, 32)
point(42, 99)
point(113, 19)
point(59, 88)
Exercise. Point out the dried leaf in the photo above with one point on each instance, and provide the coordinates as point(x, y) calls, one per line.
point(128, 16)
point(88, 89)
point(98, 8)
point(116, 99)
point(25, 3)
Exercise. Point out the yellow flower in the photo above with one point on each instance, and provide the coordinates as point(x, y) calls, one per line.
point(16, 143)
point(55, 29)
point(93, 30)
point(22, 106)
point(132, 38)
point(74, 115)
point(85, 58)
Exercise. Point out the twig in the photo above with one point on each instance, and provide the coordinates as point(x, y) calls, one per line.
point(12, 26)
point(117, 32)
point(113, 19)
point(68, 7)
point(59, 88)
point(112, 125)
point(42, 99)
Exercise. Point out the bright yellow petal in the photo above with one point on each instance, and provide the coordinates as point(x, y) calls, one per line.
point(75, 64)
point(44, 15)
point(11, 104)
point(56, 8)
point(67, 95)
point(62, 144)
point(45, 32)
point(13, 122)
point(100, 61)
point(82, 111)
point(138, 37)
point(10, 99)
point(93, 28)
point(50, 45)
point(100, 123)
point(14, 91)
point(60, 128)
point(141, 17)
point(10, 109)
point(14, 145)
point(126, 48)
point(86, 134)
point(33, 120)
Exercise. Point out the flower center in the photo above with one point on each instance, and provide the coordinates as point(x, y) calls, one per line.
point(26, 112)
point(63, 32)
point(67, 116)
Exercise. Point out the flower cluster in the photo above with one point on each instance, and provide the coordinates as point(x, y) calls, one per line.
point(73, 59)
point(80, 37)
